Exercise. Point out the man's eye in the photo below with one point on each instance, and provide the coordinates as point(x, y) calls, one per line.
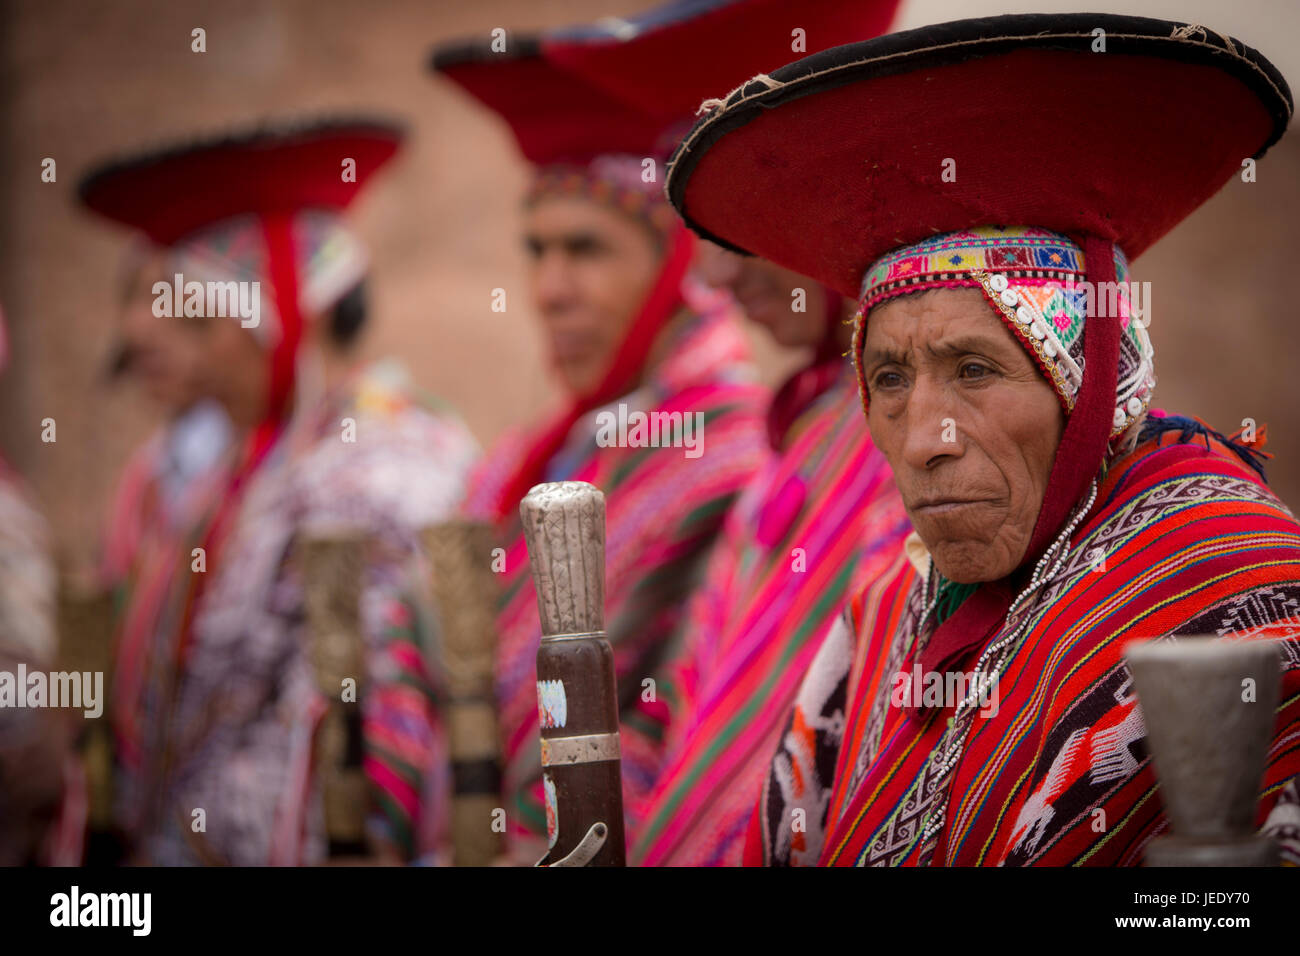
point(975, 370)
point(887, 380)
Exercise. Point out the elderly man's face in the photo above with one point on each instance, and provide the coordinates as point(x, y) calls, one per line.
point(968, 424)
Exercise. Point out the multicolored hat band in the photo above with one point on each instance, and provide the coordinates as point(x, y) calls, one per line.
point(1036, 282)
point(616, 181)
point(328, 260)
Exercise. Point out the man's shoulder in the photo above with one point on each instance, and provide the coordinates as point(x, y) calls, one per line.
point(1187, 471)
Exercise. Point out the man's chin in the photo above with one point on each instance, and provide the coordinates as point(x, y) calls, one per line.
point(576, 380)
point(969, 562)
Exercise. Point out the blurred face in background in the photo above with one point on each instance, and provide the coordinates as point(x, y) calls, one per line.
point(766, 294)
point(590, 269)
point(158, 353)
point(235, 369)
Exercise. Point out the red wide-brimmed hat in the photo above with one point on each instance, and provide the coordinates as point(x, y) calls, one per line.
point(271, 174)
point(623, 85)
point(266, 170)
point(556, 116)
point(666, 61)
point(1114, 127)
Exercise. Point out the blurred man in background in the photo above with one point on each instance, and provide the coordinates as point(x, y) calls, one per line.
point(629, 334)
point(822, 519)
point(167, 490)
point(335, 448)
point(631, 87)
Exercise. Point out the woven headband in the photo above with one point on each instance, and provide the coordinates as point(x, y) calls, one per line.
point(1034, 280)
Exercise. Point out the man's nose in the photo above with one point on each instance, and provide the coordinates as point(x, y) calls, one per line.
point(553, 282)
point(933, 429)
point(718, 267)
point(138, 321)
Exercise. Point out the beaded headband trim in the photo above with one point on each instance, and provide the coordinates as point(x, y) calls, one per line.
point(614, 181)
point(1034, 280)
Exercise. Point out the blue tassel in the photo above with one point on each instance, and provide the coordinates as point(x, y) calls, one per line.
point(1189, 429)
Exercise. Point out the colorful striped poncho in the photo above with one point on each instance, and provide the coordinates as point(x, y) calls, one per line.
point(27, 574)
point(239, 744)
point(1057, 771)
point(664, 511)
point(169, 488)
point(818, 524)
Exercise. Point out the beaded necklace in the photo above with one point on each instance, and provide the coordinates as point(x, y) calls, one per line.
point(1003, 650)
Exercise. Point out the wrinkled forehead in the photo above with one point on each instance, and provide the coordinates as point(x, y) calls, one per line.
point(934, 322)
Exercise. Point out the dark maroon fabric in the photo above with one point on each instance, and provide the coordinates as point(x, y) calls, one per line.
point(689, 51)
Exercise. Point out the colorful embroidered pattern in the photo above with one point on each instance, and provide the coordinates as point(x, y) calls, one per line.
point(329, 260)
point(1194, 544)
point(612, 180)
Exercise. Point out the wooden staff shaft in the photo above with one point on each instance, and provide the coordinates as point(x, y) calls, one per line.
point(333, 567)
point(564, 525)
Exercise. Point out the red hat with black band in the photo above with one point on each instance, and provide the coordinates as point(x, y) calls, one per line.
point(1105, 129)
point(834, 160)
point(284, 187)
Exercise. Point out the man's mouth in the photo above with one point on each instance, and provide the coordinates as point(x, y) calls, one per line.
point(570, 347)
point(933, 507)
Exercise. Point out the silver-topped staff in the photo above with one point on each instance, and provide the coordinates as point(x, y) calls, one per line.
point(577, 696)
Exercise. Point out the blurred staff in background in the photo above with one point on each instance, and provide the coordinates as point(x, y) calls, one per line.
point(168, 488)
point(230, 704)
point(629, 334)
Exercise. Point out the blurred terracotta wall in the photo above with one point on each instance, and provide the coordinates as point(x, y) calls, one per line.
point(82, 82)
